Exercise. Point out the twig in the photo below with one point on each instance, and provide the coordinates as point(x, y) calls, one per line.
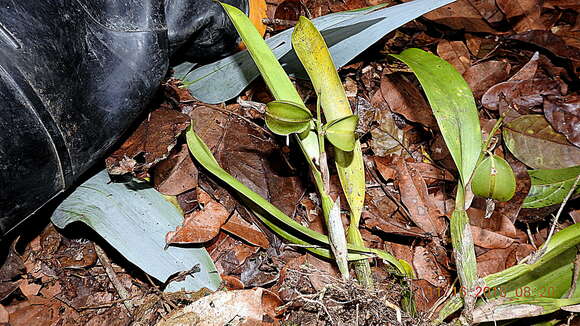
point(538, 254)
point(113, 277)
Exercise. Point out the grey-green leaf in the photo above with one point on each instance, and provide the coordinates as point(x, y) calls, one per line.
point(347, 34)
point(284, 118)
point(134, 219)
point(453, 106)
point(550, 187)
point(340, 132)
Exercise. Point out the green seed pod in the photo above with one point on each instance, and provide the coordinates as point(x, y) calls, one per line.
point(494, 178)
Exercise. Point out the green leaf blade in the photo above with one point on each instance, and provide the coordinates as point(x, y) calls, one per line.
point(550, 187)
point(453, 106)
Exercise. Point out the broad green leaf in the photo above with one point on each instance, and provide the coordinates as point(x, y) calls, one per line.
point(340, 133)
point(518, 308)
point(283, 225)
point(553, 271)
point(347, 33)
point(453, 106)
point(285, 118)
point(134, 218)
point(533, 141)
point(550, 187)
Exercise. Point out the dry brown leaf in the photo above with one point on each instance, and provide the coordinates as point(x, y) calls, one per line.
point(426, 294)
point(563, 113)
point(456, 53)
point(489, 239)
point(228, 254)
point(488, 10)
point(404, 98)
point(177, 174)
point(202, 225)
point(29, 289)
point(482, 76)
point(419, 203)
point(4, 315)
point(528, 12)
point(492, 261)
point(149, 144)
point(239, 307)
point(427, 268)
point(460, 15)
point(382, 164)
point(238, 226)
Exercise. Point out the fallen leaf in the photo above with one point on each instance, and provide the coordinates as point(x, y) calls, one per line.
point(387, 137)
point(29, 289)
point(250, 155)
point(492, 261)
point(383, 166)
point(202, 225)
point(534, 142)
point(528, 12)
point(427, 268)
point(489, 239)
point(149, 144)
point(460, 15)
point(228, 253)
point(482, 76)
point(175, 175)
point(4, 315)
point(425, 294)
point(550, 42)
point(563, 113)
point(404, 98)
point(480, 47)
point(414, 195)
point(239, 307)
point(456, 53)
point(488, 10)
point(525, 94)
point(210, 125)
point(238, 226)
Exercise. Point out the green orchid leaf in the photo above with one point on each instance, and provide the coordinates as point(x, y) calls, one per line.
point(453, 106)
point(282, 224)
point(340, 133)
point(284, 118)
point(550, 187)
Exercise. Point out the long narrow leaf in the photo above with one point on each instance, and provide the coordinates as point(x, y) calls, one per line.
point(304, 236)
point(347, 34)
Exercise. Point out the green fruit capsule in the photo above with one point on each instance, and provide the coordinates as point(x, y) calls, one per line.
point(494, 178)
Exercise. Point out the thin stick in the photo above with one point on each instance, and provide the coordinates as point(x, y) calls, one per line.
point(538, 254)
point(114, 279)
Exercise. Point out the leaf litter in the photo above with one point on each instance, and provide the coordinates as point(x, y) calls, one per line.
point(520, 59)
